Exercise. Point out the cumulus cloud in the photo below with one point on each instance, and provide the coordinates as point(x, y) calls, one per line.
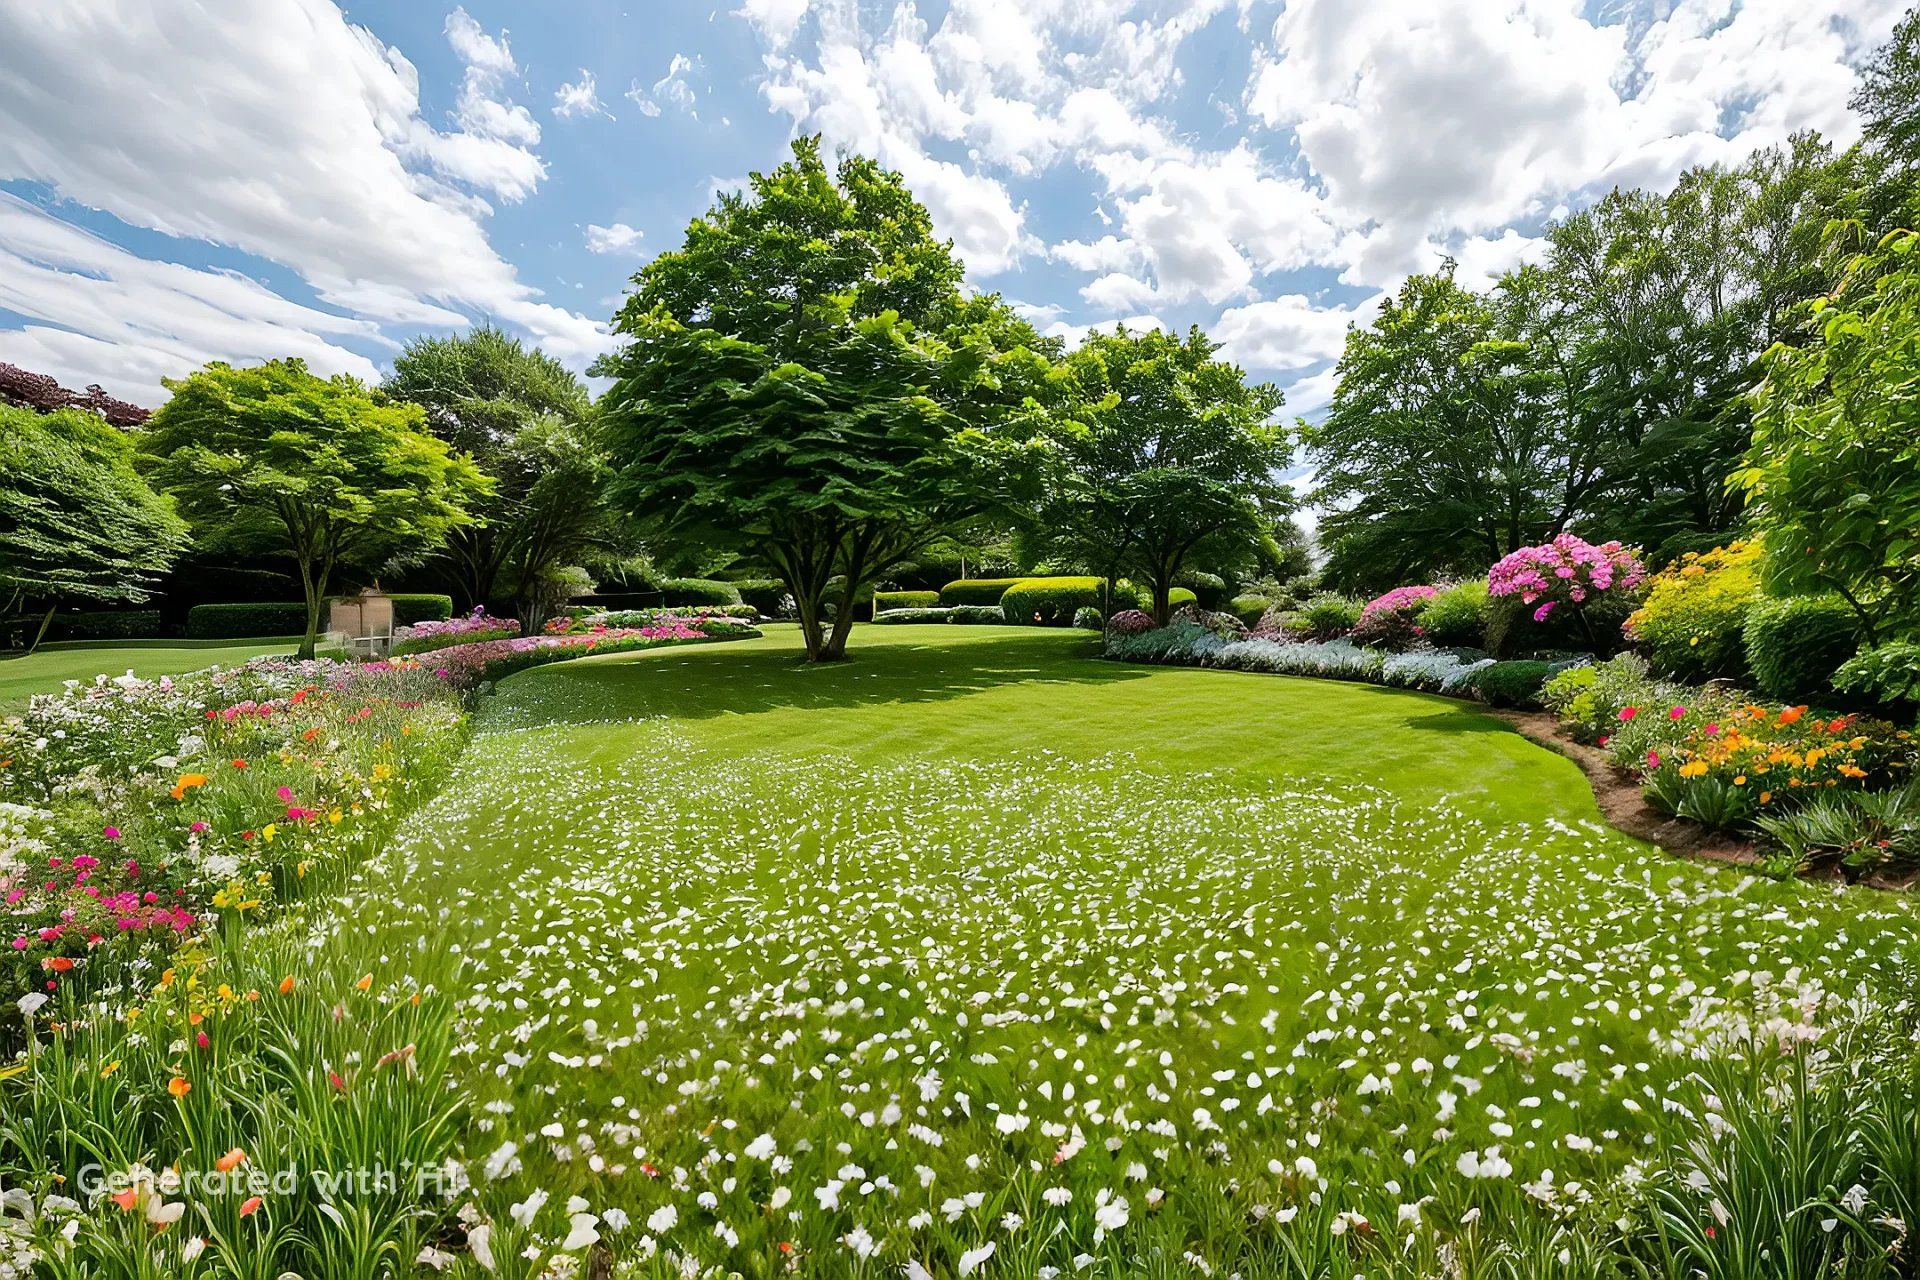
point(674, 90)
point(279, 129)
point(1286, 333)
point(618, 238)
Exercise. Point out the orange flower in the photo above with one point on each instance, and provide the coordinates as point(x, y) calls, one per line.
point(1791, 715)
point(252, 1203)
point(231, 1161)
point(60, 964)
point(178, 1086)
point(127, 1199)
point(364, 983)
point(286, 984)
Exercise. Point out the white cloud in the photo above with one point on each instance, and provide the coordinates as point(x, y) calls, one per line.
point(1286, 333)
point(492, 148)
point(618, 238)
point(278, 129)
point(579, 98)
point(1075, 334)
point(674, 89)
point(97, 313)
point(775, 20)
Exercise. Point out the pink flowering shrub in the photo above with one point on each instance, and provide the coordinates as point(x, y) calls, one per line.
point(468, 665)
point(1391, 621)
point(1569, 576)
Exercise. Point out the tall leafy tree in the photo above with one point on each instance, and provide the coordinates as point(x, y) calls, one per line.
point(1446, 446)
point(803, 382)
point(1834, 468)
point(527, 420)
point(78, 523)
point(277, 460)
point(1169, 460)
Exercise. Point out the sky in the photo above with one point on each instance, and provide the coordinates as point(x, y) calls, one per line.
point(187, 181)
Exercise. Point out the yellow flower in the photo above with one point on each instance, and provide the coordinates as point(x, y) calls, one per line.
point(109, 1069)
point(1693, 769)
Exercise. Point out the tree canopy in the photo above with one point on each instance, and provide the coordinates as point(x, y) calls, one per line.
point(803, 380)
point(527, 421)
point(1167, 456)
point(78, 523)
point(273, 459)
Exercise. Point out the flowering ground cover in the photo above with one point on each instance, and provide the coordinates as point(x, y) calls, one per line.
point(978, 956)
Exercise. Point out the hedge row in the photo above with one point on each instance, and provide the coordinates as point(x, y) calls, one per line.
point(964, 614)
point(885, 600)
point(251, 619)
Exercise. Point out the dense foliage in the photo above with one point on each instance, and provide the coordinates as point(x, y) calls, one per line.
point(275, 460)
point(78, 525)
point(803, 380)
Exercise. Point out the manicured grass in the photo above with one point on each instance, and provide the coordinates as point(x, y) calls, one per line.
point(44, 670)
point(978, 941)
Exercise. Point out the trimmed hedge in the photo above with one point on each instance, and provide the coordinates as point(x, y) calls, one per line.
point(1512, 684)
point(976, 590)
point(106, 624)
point(1249, 609)
point(1209, 589)
point(965, 614)
point(1050, 602)
point(412, 607)
point(885, 600)
point(680, 592)
point(1795, 645)
point(246, 621)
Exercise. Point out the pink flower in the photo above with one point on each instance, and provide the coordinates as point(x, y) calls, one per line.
point(1628, 713)
point(111, 833)
point(1677, 713)
point(1653, 758)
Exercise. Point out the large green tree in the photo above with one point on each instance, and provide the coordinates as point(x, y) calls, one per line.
point(1168, 460)
point(273, 459)
point(1604, 387)
point(803, 382)
point(78, 523)
point(1834, 470)
point(527, 420)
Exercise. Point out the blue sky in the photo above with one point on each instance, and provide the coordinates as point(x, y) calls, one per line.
point(189, 181)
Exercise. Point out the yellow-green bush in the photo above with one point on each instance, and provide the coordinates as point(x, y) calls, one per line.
point(1692, 624)
point(976, 590)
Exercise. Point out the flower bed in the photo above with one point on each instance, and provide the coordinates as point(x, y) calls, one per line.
point(424, 637)
point(469, 665)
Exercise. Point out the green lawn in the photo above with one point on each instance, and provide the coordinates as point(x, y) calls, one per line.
point(45, 670)
point(978, 941)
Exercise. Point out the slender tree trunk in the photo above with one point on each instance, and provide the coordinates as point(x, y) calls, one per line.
point(40, 632)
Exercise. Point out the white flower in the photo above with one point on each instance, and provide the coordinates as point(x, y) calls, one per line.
point(970, 1260)
point(480, 1241)
point(663, 1219)
point(32, 1002)
point(580, 1232)
point(761, 1148)
point(524, 1212)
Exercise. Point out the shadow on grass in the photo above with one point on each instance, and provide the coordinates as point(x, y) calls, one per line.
point(1460, 720)
point(723, 679)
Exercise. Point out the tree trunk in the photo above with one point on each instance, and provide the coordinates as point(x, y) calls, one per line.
point(1162, 599)
point(315, 587)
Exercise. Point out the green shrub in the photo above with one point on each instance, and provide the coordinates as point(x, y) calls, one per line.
point(1691, 626)
point(977, 615)
point(1088, 619)
point(1327, 616)
point(1886, 675)
point(885, 600)
point(1179, 596)
point(1209, 589)
point(894, 617)
point(106, 624)
point(410, 607)
point(766, 595)
point(1456, 616)
point(1512, 684)
point(1050, 602)
point(976, 590)
point(1794, 646)
point(1249, 609)
point(681, 592)
point(245, 621)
